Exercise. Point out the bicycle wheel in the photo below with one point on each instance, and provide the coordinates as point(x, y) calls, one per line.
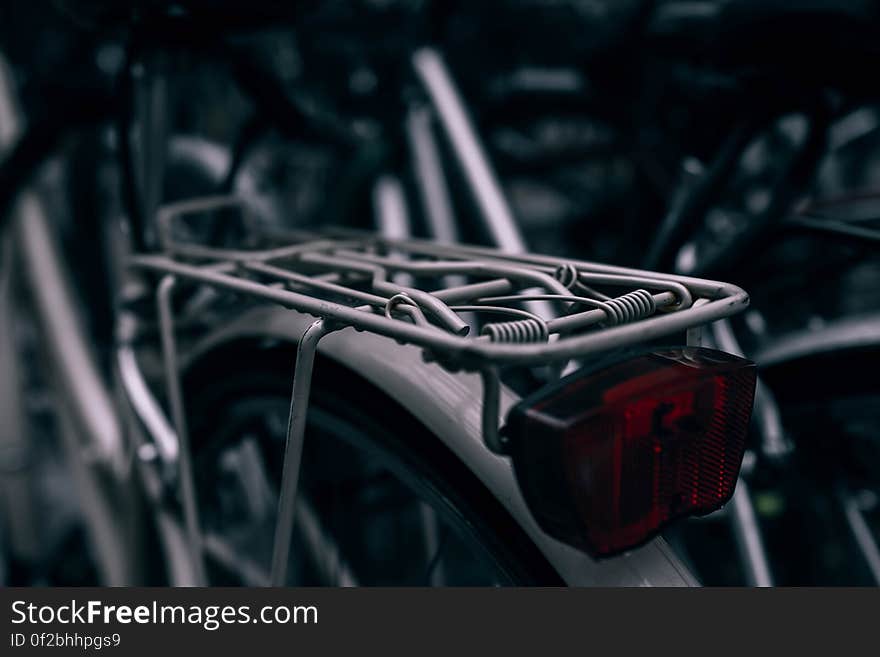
point(381, 500)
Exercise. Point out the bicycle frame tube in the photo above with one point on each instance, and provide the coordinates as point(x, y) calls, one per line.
point(90, 427)
point(92, 432)
point(494, 209)
point(858, 332)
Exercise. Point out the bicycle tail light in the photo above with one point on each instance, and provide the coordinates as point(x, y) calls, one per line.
point(606, 459)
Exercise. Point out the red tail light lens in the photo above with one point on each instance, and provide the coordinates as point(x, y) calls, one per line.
point(605, 460)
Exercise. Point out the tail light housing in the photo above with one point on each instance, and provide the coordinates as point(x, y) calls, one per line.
point(606, 459)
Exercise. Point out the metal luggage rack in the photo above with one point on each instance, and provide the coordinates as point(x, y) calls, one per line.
point(532, 309)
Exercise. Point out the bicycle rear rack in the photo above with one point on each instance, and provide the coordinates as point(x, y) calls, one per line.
point(534, 310)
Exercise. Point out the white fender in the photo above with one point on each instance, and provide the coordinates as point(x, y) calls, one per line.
point(450, 406)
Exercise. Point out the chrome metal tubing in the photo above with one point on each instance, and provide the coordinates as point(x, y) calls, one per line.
point(497, 216)
point(491, 413)
point(862, 533)
point(175, 399)
point(296, 428)
point(749, 542)
point(430, 177)
point(725, 301)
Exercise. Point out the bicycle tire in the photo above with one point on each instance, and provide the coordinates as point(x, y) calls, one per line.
point(245, 371)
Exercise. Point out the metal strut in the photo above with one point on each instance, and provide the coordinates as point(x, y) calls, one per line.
point(491, 405)
point(296, 428)
point(178, 416)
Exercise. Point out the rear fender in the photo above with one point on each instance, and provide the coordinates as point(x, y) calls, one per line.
point(449, 405)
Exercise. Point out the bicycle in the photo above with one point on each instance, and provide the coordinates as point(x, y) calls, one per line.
point(482, 481)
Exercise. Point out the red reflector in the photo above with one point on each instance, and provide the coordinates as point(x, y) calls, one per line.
point(606, 459)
